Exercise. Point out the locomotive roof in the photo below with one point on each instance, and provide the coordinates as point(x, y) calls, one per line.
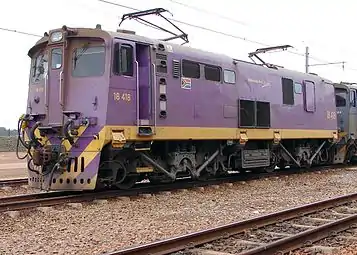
point(187, 50)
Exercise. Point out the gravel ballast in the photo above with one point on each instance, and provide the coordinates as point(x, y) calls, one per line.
point(95, 228)
point(16, 190)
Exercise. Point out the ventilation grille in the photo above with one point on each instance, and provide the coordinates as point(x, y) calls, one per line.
point(254, 114)
point(176, 68)
point(247, 113)
point(263, 114)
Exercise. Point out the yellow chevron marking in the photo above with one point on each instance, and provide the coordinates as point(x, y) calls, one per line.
point(90, 152)
point(66, 143)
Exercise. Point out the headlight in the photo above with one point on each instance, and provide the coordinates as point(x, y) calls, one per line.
point(56, 36)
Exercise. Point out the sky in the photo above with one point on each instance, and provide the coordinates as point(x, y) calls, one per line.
point(244, 26)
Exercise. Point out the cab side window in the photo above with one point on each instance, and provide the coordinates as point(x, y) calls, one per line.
point(353, 97)
point(288, 91)
point(190, 69)
point(123, 60)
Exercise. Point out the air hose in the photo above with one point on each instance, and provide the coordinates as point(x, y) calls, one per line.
point(21, 125)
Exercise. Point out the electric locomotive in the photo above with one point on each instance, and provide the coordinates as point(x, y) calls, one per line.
point(113, 108)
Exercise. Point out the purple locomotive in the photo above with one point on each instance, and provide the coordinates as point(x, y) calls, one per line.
point(114, 108)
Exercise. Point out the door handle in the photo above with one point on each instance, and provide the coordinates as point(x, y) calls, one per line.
point(60, 87)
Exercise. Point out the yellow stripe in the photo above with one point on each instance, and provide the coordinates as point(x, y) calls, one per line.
point(198, 133)
point(183, 133)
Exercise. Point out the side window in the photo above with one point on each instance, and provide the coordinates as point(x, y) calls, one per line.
point(116, 59)
point(190, 69)
point(229, 76)
point(126, 60)
point(288, 91)
point(298, 88)
point(56, 58)
point(39, 67)
point(310, 96)
point(341, 97)
point(353, 97)
point(88, 61)
point(212, 73)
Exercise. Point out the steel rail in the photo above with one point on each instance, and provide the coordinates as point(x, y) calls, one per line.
point(13, 181)
point(308, 236)
point(198, 238)
point(27, 197)
point(28, 201)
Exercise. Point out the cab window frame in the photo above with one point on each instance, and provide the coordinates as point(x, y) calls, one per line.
point(190, 69)
point(353, 97)
point(228, 73)
point(39, 56)
point(102, 68)
point(52, 53)
point(210, 71)
point(117, 63)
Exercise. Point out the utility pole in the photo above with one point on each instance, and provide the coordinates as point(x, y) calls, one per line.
point(307, 59)
point(307, 65)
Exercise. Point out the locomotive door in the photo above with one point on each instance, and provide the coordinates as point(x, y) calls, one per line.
point(53, 86)
point(36, 102)
point(144, 84)
point(353, 112)
point(134, 75)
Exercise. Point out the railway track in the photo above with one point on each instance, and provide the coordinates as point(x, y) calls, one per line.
point(11, 182)
point(282, 232)
point(29, 201)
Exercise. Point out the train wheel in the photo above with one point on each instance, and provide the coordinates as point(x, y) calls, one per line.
point(126, 176)
point(204, 176)
point(128, 182)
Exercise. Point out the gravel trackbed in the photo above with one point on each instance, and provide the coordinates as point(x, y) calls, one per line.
point(96, 228)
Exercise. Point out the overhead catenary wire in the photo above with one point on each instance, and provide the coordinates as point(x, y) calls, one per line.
point(324, 62)
point(219, 32)
point(194, 26)
point(200, 27)
point(234, 21)
point(181, 22)
point(209, 13)
point(19, 32)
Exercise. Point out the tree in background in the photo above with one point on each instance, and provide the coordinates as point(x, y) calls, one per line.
point(7, 132)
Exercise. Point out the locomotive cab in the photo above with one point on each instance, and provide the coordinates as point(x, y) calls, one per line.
point(346, 117)
point(66, 71)
point(346, 109)
point(82, 83)
point(66, 108)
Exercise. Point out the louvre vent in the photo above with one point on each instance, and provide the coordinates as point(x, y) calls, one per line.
point(254, 114)
point(176, 68)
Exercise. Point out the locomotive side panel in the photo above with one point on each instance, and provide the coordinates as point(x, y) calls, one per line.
point(298, 104)
point(197, 96)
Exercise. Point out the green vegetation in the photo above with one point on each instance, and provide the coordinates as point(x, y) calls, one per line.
point(8, 139)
